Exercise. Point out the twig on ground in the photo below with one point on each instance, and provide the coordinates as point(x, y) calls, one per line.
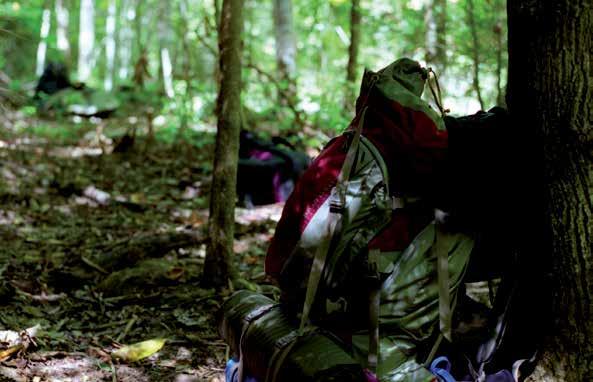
point(126, 329)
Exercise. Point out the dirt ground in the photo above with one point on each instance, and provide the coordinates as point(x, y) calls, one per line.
point(99, 250)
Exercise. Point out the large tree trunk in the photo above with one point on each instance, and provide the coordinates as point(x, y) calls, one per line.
point(351, 70)
point(551, 98)
point(218, 268)
point(285, 48)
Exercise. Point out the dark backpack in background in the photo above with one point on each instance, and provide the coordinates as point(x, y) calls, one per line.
point(268, 169)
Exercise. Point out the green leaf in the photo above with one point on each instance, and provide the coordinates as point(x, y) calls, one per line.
point(140, 350)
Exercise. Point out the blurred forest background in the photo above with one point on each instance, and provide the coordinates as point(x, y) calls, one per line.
point(169, 50)
point(104, 185)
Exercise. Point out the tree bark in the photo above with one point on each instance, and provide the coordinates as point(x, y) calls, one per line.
point(551, 98)
point(471, 20)
point(351, 70)
point(285, 47)
point(218, 268)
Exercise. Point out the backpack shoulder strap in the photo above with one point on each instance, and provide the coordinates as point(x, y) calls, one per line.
point(334, 217)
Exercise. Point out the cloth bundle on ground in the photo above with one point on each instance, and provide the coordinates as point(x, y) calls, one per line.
point(53, 79)
point(268, 170)
point(55, 93)
point(363, 254)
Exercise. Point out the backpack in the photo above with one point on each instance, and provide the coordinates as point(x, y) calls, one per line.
point(369, 266)
point(358, 248)
point(275, 165)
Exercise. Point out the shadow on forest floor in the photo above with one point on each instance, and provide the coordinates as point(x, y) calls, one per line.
point(101, 250)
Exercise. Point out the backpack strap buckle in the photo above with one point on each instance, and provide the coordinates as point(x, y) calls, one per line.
point(337, 203)
point(397, 203)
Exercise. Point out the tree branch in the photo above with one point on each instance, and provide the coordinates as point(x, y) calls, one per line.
point(298, 114)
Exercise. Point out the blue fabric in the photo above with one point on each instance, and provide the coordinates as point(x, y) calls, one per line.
point(231, 372)
point(441, 367)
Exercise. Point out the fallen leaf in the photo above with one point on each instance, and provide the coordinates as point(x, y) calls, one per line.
point(140, 350)
point(5, 354)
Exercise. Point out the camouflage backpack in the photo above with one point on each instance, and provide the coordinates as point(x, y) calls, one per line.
point(358, 249)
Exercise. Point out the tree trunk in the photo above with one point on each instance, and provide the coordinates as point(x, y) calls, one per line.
point(218, 268)
point(471, 21)
point(551, 98)
point(285, 48)
point(110, 45)
point(435, 19)
point(217, 14)
point(499, 35)
point(62, 21)
point(351, 70)
point(42, 47)
point(186, 108)
point(125, 35)
point(165, 40)
point(86, 39)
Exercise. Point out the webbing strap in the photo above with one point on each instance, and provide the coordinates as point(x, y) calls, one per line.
point(317, 269)
point(374, 306)
point(378, 159)
point(253, 316)
point(442, 256)
point(283, 346)
point(334, 220)
point(352, 150)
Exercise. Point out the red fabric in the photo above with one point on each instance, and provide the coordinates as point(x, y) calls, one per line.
point(410, 143)
point(413, 150)
point(404, 226)
point(310, 192)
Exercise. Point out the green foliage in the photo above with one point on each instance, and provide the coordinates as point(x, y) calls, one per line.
point(188, 30)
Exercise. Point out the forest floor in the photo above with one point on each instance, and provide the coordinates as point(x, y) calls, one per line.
point(99, 250)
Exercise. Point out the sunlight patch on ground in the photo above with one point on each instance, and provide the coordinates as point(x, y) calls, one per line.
point(75, 152)
point(259, 214)
point(62, 367)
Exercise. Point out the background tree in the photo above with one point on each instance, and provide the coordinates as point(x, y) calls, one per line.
point(551, 99)
point(125, 38)
point(436, 35)
point(42, 47)
point(110, 45)
point(471, 20)
point(86, 39)
point(218, 267)
point(498, 30)
point(165, 40)
point(285, 48)
point(351, 69)
point(62, 23)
